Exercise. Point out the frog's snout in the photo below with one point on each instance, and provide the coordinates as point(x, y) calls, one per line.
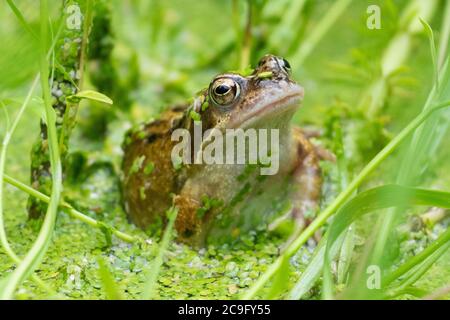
point(278, 66)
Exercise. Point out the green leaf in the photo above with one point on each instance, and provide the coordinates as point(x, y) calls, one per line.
point(280, 281)
point(90, 95)
point(374, 199)
point(37, 107)
point(417, 265)
point(155, 267)
point(419, 270)
point(21, 19)
point(430, 35)
point(3, 283)
point(312, 272)
point(345, 255)
point(35, 254)
point(7, 119)
point(109, 284)
point(107, 232)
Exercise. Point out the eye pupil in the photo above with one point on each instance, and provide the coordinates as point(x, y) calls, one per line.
point(287, 65)
point(222, 89)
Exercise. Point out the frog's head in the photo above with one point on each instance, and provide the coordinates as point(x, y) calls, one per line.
point(266, 98)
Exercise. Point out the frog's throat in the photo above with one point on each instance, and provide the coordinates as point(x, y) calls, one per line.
point(288, 103)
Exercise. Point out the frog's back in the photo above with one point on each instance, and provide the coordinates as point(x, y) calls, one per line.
point(145, 164)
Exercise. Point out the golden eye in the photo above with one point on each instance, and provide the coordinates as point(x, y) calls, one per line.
point(224, 91)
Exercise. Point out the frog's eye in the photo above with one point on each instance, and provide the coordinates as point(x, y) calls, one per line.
point(224, 91)
point(285, 65)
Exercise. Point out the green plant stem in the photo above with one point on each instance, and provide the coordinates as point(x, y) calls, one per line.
point(67, 74)
point(87, 23)
point(319, 31)
point(21, 19)
point(445, 35)
point(35, 255)
point(356, 182)
point(68, 209)
point(3, 238)
point(346, 250)
point(342, 197)
point(290, 19)
point(150, 285)
point(421, 269)
point(416, 292)
point(237, 30)
point(433, 51)
point(5, 143)
point(395, 54)
point(419, 147)
point(110, 286)
point(393, 57)
point(247, 38)
point(439, 293)
point(315, 267)
point(3, 152)
point(414, 261)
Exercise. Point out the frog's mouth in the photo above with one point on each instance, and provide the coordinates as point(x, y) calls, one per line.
point(271, 110)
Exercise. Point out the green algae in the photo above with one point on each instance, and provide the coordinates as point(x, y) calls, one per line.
point(71, 266)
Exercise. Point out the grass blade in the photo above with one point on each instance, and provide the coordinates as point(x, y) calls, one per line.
point(344, 196)
point(375, 199)
point(433, 50)
point(40, 246)
point(445, 35)
point(319, 31)
point(70, 210)
point(418, 271)
point(312, 273)
point(155, 267)
point(280, 280)
point(424, 143)
point(21, 19)
point(109, 285)
point(414, 261)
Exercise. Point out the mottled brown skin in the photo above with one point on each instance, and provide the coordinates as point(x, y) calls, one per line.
point(259, 102)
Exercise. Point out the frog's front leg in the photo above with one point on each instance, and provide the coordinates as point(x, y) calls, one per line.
point(306, 179)
point(202, 196)
point(188, 224)
point(192, 223)
point(306, 182)
point(306, 188)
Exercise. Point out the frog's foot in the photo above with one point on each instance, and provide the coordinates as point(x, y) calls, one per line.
point(321, 152)
point(310, 132)
point(297, 216)
point(190, 228)
point(300, 218)
point(324, 154)
point(306, 188)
